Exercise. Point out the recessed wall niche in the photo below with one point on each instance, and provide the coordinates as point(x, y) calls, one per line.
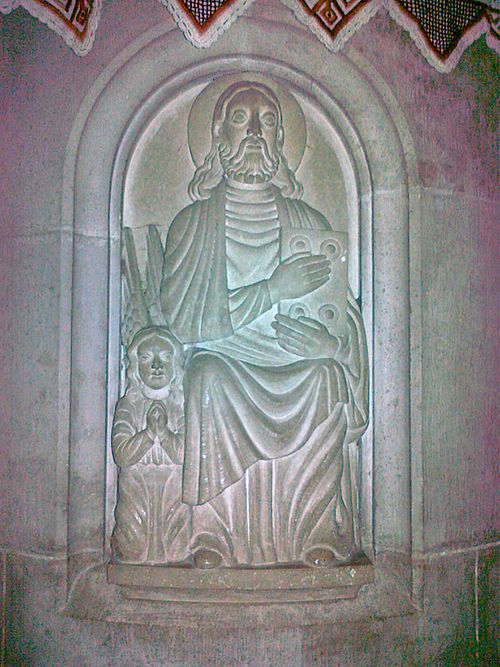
point(259, 466)
point(353, 175)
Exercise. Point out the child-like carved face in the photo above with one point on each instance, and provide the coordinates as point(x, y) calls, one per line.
point(156, 362)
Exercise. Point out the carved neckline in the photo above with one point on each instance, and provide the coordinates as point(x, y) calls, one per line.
point(237, 185)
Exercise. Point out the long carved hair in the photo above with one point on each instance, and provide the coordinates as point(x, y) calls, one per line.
point(172, 395)
point(210, 173)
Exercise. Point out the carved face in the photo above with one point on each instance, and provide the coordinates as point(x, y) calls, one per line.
point(155, 363)
point(248, 148)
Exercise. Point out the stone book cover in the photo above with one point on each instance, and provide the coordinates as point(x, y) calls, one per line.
point(328, 303)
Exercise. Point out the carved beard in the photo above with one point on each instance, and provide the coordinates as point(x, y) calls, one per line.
point(252, 162)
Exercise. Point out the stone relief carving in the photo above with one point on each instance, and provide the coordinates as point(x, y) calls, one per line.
point(245, 330)
point(152, 524)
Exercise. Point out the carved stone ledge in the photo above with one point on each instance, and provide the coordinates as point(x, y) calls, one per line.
point(229, 597)
point(263, 585)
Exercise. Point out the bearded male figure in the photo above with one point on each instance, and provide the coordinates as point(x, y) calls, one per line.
point(274, 406)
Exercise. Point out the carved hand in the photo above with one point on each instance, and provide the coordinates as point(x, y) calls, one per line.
point(305, 337)
point(156, 421)
point(298, 275)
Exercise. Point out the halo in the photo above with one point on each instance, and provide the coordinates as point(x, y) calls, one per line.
point(200, 118)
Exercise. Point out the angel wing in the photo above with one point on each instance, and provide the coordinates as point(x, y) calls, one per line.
point(135, 310)
point(154, 268)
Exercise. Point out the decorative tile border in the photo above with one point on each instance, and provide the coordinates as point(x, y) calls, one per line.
point(442, 29)
point(204, 21)
point(74, 20)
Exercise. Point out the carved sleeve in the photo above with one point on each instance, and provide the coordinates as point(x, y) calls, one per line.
point(129, 444)
point(248, 302)
point(173, 445)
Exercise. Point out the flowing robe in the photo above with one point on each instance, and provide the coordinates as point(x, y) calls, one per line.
point(151, 524)
point(277, 431)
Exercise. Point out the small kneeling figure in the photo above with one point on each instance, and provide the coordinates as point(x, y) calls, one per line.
point(151, 523)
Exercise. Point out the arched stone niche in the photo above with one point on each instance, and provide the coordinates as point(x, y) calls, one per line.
point(349, 109)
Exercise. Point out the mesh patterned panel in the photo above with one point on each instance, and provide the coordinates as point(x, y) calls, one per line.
point(202, 10)
point(444, 21)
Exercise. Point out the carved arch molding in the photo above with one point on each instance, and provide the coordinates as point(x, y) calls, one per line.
point(359, 169)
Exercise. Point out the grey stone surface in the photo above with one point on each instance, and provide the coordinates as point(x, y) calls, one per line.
point(487, 599)
point(30, 315)
point(449, 605)
point(391, 375)
point(452, 122)
point(50, 638)
point(442, 634)
point(246, 585)
point(3, 602)
point(459, 267)
point(364, 644)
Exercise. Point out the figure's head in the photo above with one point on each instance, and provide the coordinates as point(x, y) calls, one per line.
point(155, 360)
point(247, 142)
point(250, 135)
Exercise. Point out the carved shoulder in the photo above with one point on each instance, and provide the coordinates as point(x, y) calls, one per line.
point(304, 216)
point(125, 415)
point(317, 217)
point(182, 225)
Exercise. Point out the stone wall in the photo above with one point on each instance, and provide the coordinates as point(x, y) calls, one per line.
point(451, 119)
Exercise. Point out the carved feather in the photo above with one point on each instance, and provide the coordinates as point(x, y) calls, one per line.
point(135, 311)
point(154, 269)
